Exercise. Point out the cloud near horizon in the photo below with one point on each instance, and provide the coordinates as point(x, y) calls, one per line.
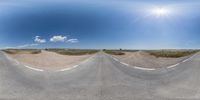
point(39, 40)
point(27, 45)
point(72, 40)
point(58, 38)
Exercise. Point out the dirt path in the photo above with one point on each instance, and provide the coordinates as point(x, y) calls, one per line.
point(143, 59)
point(49, 60)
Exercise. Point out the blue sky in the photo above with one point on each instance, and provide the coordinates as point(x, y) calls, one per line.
point(100, 24)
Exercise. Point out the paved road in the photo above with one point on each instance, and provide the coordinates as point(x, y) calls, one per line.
point(100, 78)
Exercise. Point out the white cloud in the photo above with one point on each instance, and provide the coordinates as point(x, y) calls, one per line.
point(39, 40)
point(34, 44)
point(58, 38)
point(73, 40)
point(27, 45)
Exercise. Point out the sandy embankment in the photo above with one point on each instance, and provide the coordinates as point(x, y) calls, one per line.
point(143, 59)
point(49, 60)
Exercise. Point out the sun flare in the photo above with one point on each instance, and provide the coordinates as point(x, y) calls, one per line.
point(158, 12)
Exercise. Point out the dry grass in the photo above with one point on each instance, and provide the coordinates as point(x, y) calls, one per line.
point(114, 52)
point(171, 53)
point(26, 51)
point(73, 51)
point(118, 52)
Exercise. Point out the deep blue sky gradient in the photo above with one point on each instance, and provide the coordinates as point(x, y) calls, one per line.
point(101, 24)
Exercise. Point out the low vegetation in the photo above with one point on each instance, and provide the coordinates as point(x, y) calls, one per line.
point(114, 52)
point(73, 51)
point(22, 51)
point(118, 52)
point(171, 53)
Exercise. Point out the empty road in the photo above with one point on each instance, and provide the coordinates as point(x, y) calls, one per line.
point(100, 78)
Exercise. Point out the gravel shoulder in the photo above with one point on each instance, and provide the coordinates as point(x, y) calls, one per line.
point(144, 59)
point(49, 60)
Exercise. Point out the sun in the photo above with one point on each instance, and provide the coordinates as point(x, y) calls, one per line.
point(159, 12)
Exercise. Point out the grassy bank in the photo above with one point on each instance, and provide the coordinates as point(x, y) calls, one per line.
point(73, 51)
point(118, 52)
point(114, 52)
point(171, 53)
point(25, 51)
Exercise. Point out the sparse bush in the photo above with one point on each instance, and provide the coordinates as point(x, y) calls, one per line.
point(73, 51)
point(114, 52)
point(119, 51)
point(172, 53)
point(36, 52)
point(27, 51)
point(9, 51)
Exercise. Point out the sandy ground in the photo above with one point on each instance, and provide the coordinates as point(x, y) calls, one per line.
point(143, 59)
point(49, 60)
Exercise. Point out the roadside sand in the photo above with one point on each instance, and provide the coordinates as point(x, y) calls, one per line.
point(143, 59)
point(48, 60)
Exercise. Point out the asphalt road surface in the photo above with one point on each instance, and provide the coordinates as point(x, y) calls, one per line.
point(100, 78)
